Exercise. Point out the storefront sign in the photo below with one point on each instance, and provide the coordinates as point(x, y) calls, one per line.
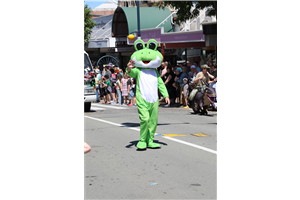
point(168, 51)
point(121, 44)
point(113, 50)
point(124, 49)
point(131, 49)
point(97, 44)
point(174, 37)
point(185, 45)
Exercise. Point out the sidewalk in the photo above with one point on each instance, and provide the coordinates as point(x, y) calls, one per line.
point(177, 105)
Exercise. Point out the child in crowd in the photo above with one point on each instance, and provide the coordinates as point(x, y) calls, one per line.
point(124, 88)
point(134, 91)
point(131, 87)
point(121, 72)
point(113, 80)
point(116, 69)
point(107, 89)
point(101, 87)
point(119, 87)
point(185, 92)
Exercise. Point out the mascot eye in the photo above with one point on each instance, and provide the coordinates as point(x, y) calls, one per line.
point(139, 46)
point(152, 45)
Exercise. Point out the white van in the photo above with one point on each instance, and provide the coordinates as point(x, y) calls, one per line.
point(89, 83)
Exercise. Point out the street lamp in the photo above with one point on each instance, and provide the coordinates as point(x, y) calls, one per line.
point(131, 36)
point(138, 18)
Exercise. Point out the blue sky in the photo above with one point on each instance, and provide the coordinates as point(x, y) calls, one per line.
point(94, 3)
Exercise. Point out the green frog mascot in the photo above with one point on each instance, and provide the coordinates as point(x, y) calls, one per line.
point(146, 59)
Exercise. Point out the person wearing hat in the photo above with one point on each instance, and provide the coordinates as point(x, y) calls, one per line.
point(201, 81)
point(203, 76)
point(110, 65)
point(192, 74)
point(179, 69)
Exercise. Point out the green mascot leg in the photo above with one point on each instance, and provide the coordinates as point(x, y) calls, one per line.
point(148, 113)
point(153, 113)
point(144, 124)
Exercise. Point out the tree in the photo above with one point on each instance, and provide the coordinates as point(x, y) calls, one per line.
point(88, 23)
point(185, 11)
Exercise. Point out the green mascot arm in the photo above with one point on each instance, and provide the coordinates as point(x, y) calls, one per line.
point(133, 73)
point(161, 86)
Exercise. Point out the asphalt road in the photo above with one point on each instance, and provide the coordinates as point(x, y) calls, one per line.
point(184, 168)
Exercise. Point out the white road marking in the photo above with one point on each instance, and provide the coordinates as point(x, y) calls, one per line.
point(107, 106)
point(190, 144)
point(96, 108)
point(166, 137)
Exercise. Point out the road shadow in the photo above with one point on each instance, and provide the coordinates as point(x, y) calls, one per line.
point(90, 111)
point(134, 143)
point(208, 115)
point(131, 124)
point(176, 105)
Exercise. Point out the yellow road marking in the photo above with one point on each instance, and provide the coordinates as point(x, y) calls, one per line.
point(173, 135)
point(200, 135)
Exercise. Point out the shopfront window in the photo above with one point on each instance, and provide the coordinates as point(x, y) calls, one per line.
point(208, 57)
point(201, 56)
point(188, 55)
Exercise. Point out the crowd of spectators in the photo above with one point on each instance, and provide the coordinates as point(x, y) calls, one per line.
point(181, 79)
point(115, 86)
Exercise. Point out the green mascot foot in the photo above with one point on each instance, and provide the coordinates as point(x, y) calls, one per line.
point(141, 145)
point(153, 145)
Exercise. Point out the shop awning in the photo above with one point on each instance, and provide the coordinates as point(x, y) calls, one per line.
point(125, 20)
point(187, 39)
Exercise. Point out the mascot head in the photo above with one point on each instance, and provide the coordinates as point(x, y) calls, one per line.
point(146, 56)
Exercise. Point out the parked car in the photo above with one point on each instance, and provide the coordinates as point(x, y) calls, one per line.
point(89, 83)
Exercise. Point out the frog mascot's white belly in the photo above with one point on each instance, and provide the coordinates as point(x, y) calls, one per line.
point(148, 85)
point(147, 59)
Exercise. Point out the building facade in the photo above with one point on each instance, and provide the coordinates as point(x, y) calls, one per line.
point(133, 3)
point(101, 33)
point(109, 36)
point(107, 8)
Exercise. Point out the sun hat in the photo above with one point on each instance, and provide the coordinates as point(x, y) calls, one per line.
point(205, 66)
point(179, 69)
